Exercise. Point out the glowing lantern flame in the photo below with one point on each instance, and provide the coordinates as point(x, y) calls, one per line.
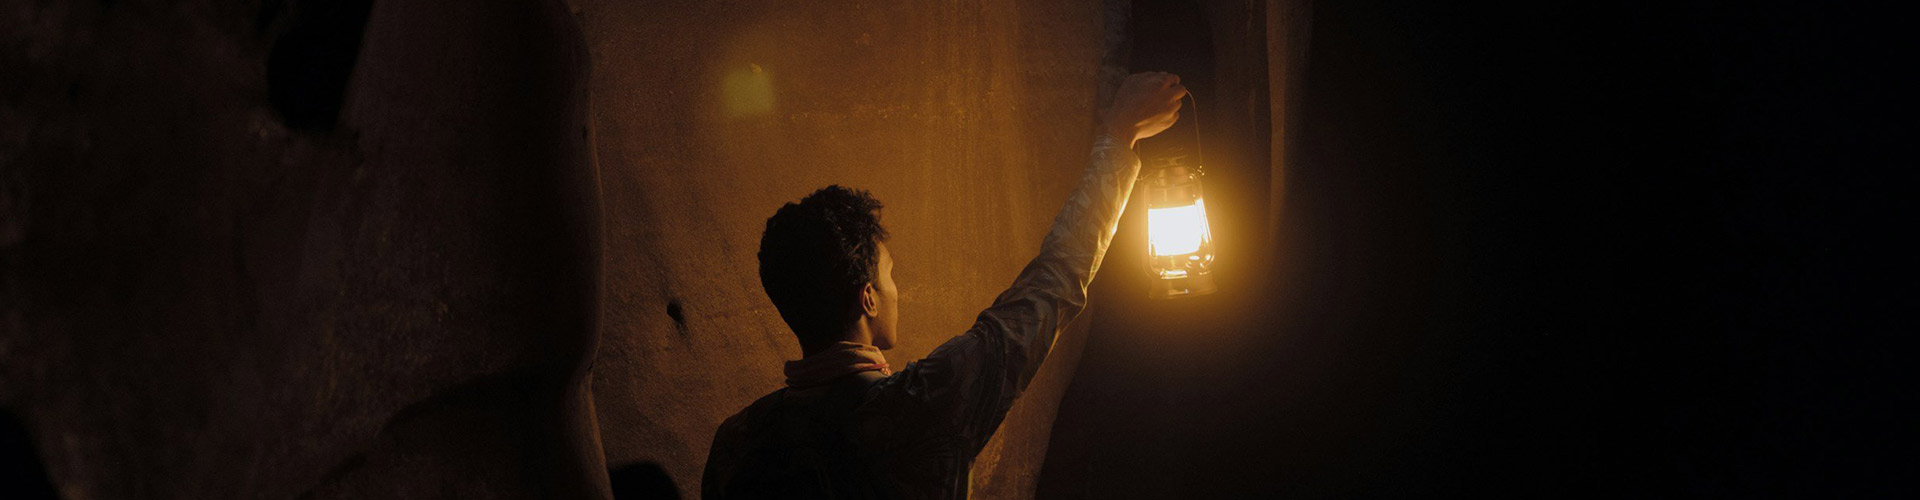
point(1177, 230)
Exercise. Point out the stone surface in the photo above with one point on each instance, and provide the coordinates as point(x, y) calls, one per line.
point(248, 252)
point(355, 249)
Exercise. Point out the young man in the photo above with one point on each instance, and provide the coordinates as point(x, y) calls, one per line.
point(848, 427)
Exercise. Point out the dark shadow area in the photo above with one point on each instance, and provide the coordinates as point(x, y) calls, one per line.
point(642, 481)
point(22, 476)
point(311, 63)
point(201, 304)
point(1607, 250)
point(521, 410)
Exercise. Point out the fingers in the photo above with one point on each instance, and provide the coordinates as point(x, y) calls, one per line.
point(1157, 79)
point(1161, 80)
point(1149, 101)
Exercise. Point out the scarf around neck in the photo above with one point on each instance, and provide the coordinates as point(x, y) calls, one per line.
point(839, 359)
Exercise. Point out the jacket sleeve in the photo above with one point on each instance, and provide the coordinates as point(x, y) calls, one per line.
point(966, 386)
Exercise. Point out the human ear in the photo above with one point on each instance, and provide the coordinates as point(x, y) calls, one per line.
point(870, 301)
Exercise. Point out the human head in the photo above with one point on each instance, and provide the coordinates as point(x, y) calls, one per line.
point(824, 263)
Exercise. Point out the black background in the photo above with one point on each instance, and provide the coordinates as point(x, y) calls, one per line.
point(1541, 249)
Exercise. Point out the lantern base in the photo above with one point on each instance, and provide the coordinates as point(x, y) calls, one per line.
point(1199, 284)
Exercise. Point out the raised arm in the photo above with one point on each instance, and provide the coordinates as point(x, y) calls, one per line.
point(966, 386)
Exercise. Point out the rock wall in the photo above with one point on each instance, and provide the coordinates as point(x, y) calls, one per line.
point(352, 249)
point(349, 249)
point(299, 249)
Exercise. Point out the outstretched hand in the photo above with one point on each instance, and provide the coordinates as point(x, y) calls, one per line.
point(1147, 104)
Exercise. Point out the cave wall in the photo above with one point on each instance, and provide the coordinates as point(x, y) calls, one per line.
point(299, 249)
point(353, 249)
point(969, 120)
point(445, 249)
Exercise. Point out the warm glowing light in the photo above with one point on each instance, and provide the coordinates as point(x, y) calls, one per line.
point(1179, 243)
point(1177, 230)
point(748, 92)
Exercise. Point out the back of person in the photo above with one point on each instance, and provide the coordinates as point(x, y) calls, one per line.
point(795, 443)
point(864, 436)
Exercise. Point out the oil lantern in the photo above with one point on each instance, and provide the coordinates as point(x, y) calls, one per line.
point(1179, 242)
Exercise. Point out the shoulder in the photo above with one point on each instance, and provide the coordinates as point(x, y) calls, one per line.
point(746, 417)
point(735, 435)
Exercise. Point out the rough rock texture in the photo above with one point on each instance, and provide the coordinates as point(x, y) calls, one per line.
point(299, 249)
point(349, 249)
point(970, 120)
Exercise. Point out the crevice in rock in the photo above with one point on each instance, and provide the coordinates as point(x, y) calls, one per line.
point(310, 65)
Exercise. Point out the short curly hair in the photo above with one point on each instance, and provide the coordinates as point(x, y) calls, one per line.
point(816, 255)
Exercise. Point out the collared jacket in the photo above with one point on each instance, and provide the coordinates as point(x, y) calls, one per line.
point(914, 434)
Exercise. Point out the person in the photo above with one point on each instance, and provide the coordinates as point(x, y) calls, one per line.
point(846, 425)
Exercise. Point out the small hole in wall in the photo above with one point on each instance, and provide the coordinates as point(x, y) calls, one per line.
point(674, 311)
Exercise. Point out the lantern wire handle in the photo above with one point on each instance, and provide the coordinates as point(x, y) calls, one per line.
point(1199, 153)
